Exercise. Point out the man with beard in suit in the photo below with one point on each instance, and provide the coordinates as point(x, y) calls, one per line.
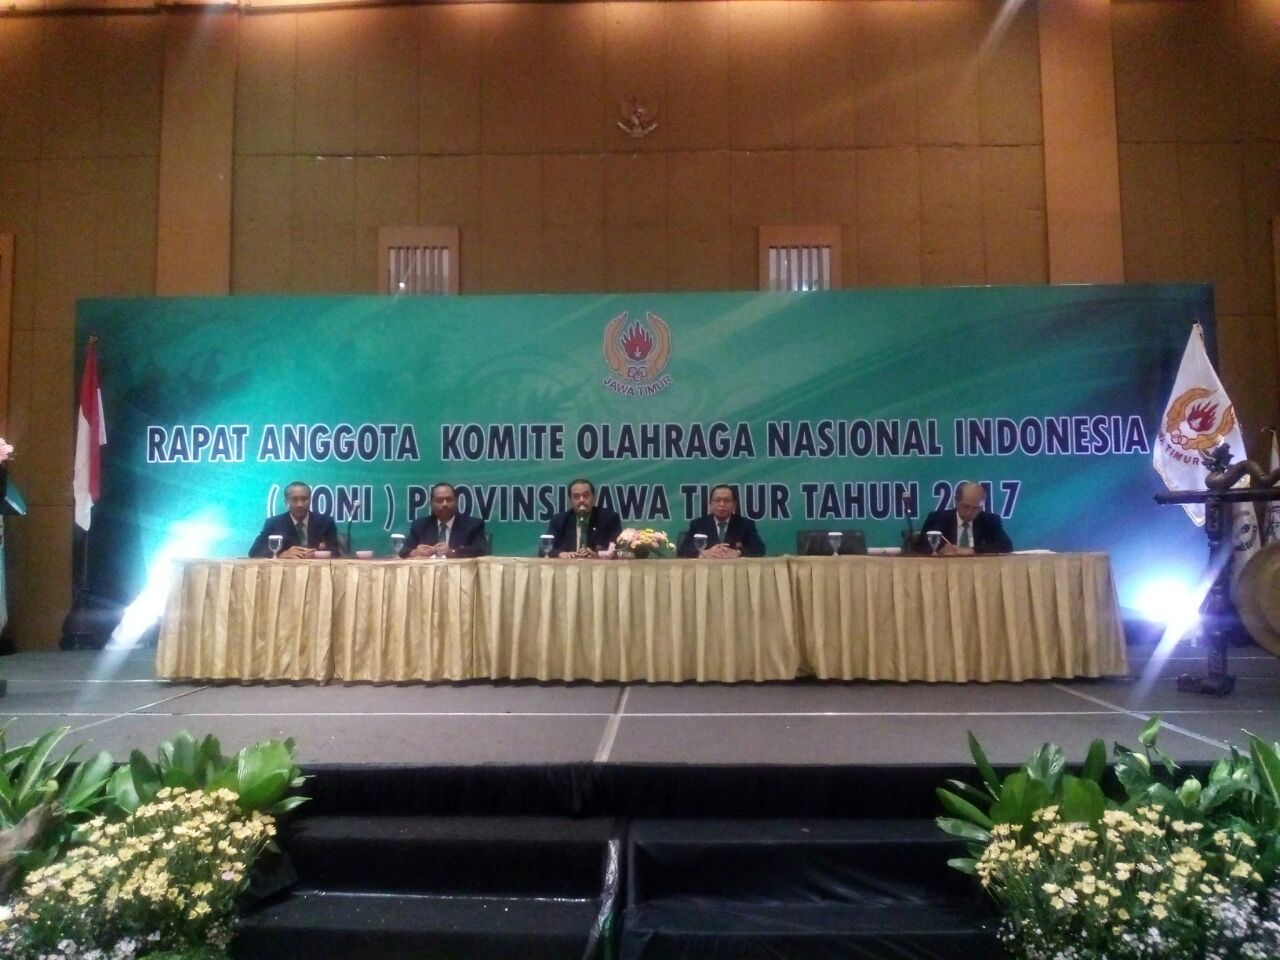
point(584, 528)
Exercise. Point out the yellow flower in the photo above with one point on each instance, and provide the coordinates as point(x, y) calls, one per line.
point(1159, 912)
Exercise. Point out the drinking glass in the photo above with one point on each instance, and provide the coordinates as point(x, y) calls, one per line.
point(545, 542)
point(275, 542)
point(397, 544)
point(935, 538)
point(835, 538)
point(700, 541)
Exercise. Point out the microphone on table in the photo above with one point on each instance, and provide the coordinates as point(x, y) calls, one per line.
point(355, 508)
point(910, 541)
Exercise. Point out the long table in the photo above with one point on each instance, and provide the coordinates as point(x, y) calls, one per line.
point(1018, 617)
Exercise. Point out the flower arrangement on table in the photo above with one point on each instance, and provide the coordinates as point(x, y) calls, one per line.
point(6, 450)
point(640, 544)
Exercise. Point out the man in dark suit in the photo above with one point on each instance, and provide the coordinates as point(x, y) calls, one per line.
point(302, 532)
point(445, 532)
point(967, 529)
point(728, 533)
point(584, 528)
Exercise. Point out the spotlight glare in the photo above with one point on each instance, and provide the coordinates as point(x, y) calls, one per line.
point(1171, 601)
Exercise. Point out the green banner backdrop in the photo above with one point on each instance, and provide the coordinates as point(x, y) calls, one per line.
point(829, 410)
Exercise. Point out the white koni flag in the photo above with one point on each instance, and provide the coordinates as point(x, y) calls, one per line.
point(1198, 417)
point(1271, 520)
point(91, 433)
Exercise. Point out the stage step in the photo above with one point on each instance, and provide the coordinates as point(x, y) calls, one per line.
point(851, 889)
point(471, 856)
point(317, 925)
point(480, 888)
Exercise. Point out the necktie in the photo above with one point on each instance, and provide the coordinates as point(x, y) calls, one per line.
point(301, 527)
point(966, 540)
point(443, 538)
point(721, 529)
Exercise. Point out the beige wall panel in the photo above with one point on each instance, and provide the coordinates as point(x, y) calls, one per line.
point(324, 262)
point(635, 188)
point(133, 70)
point(1260, 93)
point(1251, 375)
point(387, 83)
point(71, 87)
point(19, 193)
point(698, 258)
point(1262, 205)
point(262, 194)
point(126, 227)
point(471, 258)
point(1151, 212)
point(889, 217)
point(1013, 215)
point(21, 375)
point(40, 569)
point(450, 67)
point(744, 258)
point(826, 186)
point(511, 256)
point(573, 188)
point(1212, 190)
point(325, 121)
point(1009, 81)
point(695, 114)
point(266, 67)
point(386, 191)
point(449, 190)
point(948, 37)
point(514, 74)
point(849, 243)
point(386, 195)
point(951, 227)
point(761, 101)
point(510, 191)
point(1147, 70)
point(1210, 70)
point(20, 104)
point(50, 441)
point(261, 261)
point(636, 65)
point(636, 257)
point(577, 111)
point(763, 188)
point(573, 256)
point(823, 100)
point(699, 188)
point(193, 218)
point(67, 247)
point(324, 195)
point(884, 74)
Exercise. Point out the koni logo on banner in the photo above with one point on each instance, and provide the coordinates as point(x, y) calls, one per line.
point(637, 351)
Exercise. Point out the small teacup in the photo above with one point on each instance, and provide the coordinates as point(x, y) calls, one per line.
point(321, 555)
point(364, 554)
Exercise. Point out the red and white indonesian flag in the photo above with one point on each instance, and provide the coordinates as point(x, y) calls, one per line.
point(1197, 418)
point(91, 434)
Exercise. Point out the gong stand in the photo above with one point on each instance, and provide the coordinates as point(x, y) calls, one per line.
point(1218, 614)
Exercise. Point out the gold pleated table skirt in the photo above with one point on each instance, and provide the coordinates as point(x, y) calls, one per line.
point(876, 618)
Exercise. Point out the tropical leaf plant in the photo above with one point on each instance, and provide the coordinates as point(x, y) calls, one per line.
point(1241, 792)
point(43, 799)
